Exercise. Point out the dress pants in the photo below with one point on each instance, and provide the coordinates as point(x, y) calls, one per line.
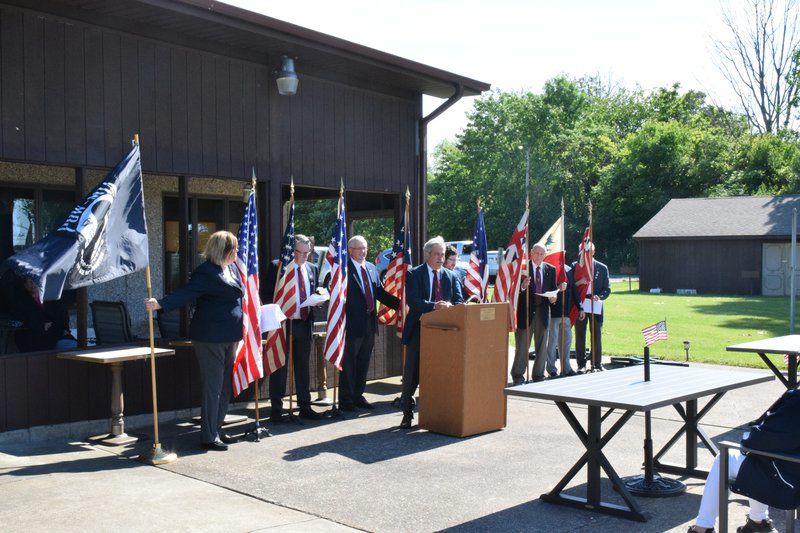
point(216, 373)
point(355, 367)
point(410, 373)
point(538, 331)
point(580, 340)
point(301, 353)
point(555, 343)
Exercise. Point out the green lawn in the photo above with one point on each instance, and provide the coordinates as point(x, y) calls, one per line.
point(710, 322)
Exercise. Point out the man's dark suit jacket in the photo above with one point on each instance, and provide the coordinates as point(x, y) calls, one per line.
point(772, 481)
point(358, 321)
point(218, 311)
point(418, 293)
point(548, 284)
point(311, 272)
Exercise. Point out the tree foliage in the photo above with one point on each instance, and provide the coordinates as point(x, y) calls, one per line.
point(626, 151)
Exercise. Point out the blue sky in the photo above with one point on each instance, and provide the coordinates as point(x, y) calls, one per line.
point(517, 45)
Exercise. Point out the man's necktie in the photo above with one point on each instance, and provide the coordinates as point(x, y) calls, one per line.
point(367, 290)
point(538, 286)
point(436, 293)
point(301, 288)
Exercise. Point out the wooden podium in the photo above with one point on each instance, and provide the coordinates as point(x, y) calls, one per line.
point(464, 369)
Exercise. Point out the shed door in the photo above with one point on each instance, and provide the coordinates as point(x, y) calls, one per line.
point(776, 261)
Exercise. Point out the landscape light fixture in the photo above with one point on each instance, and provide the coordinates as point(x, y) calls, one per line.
point(287, 78)
point(686, 346)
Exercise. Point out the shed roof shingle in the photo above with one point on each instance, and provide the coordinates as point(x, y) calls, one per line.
point(734, 216)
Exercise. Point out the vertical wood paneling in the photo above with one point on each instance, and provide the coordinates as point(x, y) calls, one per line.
point(99, 396)
point(320, 139)
point(129, 90)
point(306, 133)
point(132, 377)
point(74, 95)
point(58, 389)
point(38, 386)
point(78, 391)
point(180, 142)
point(4, 391)
point(359, 148)
point(163, 109)
point(11, 44)
point(112, 98)
point(370, 139)
point(95, 122)
point(264, 103)
point(16, 386)
point(209, 116)
point(329, 174)
point(34, 88)
point(249, 139)
point(348, 128)
point(194, 105)
point(223, 117)
point(55, 128)
point(281, 115)
point(237, 119)
point(297, 146)
point(147, 104)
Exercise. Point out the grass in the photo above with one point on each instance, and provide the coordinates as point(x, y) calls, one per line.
point(710, 322)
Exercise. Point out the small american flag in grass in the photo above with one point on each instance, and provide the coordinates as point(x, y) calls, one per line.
point(656, 332)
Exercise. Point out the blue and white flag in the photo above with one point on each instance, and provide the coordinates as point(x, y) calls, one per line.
point(104, 237)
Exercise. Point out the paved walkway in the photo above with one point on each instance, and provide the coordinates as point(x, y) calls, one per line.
point(361, 472)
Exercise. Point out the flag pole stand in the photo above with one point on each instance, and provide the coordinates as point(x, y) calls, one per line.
point(334, 411)
point(290, 416)
point(156, 455)
point(258, 430)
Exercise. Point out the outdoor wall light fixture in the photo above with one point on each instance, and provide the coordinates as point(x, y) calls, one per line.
point(686, 346)
point(287, 78)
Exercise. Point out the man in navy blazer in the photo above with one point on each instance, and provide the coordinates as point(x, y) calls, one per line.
point(302, 327)
point(429, 287)
point(364, 291)
point(765, 481)
point(600, 289)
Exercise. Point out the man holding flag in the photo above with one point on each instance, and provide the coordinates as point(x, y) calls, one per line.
point(591, 278)
point(364, 291)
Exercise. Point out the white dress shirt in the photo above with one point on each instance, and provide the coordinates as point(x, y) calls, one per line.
point(302, 272)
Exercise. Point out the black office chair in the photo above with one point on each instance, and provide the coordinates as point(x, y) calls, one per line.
point(112, 324)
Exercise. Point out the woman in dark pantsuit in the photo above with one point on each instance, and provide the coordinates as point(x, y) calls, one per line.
point(215, 331)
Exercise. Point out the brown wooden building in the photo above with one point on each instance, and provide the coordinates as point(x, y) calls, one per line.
point(196, 80)
point(730, 245)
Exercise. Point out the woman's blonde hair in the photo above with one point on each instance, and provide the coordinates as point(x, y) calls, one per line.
point(219, 245)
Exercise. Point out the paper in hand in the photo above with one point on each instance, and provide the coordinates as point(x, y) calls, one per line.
point(548, 294)
point(271, 317)
point(321, 296)
point(589, 307)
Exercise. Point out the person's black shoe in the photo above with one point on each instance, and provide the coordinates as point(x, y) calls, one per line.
point(553, 374)
point(692, 529)
point(347, 407)
point(217, 446)
point(227, 439)
point(364, 404)
point(309, 414)
point(408, 417)
point(581, 370)
point(518, 382)
point(537, 379)
point(276, 416)
point(752, 526)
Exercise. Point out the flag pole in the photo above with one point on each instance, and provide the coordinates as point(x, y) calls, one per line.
point(401, 309)
point(526, 257)
point(592, 350)
point(334, 410)
point(156, 455)
point(563, 355)
point(290, 377)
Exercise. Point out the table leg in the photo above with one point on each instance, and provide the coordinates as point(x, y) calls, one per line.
point(786, 382)
point(117, 437)
point(594, 459)
point(693, 435)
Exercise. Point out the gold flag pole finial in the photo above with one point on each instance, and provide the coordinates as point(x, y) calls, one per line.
point(136, 139)
point(562, 206)
point(479, 204)
point(341, 186)
point(291, 189)
point(253, 179)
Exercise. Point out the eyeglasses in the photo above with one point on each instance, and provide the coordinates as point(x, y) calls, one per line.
point(300, 252)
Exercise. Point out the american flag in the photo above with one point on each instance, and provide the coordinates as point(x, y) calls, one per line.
point(395, 281)
point(476, 281)
point(509, 273)
point(248, 365)
point(337, 258)
point(285, 297)
point(584, 270)
point(656, 332)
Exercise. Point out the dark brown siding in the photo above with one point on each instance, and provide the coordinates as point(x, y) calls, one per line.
point(75, 94)
point(709, 266)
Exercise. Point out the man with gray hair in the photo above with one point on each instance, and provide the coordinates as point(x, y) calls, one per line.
point(429, 287)
point(534, 311)
point(364, 291)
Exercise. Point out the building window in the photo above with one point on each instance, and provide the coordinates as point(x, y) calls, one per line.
point(27, 214)
point(206, 216)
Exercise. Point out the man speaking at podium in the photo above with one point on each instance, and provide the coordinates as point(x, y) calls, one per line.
point(429, 287)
